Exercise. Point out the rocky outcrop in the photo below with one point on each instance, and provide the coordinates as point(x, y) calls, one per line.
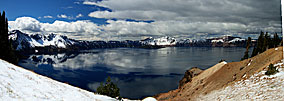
point(188, 75)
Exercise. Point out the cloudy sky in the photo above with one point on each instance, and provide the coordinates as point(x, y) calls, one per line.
point(137, 19)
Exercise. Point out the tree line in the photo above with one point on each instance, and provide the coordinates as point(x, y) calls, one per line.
point(264, 42)
point(6, 50)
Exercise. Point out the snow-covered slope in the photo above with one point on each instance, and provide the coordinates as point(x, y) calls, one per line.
point(22, 40)
point(256, 87)
point(17, 83)
point(163, 41)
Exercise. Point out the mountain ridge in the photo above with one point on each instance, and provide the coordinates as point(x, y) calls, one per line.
point(52, 43)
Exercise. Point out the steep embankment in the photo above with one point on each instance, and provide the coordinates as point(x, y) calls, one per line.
point(222, 75)
point(256, 87)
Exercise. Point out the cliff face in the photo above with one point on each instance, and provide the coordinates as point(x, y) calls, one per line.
point(221, 75)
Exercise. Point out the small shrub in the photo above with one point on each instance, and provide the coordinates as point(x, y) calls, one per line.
point(271, 70)
point(109, 89)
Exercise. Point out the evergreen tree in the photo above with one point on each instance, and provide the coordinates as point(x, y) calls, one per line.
point(276, 40)
point(254, 51)
point(109, 89)
point(271, 70)
point(259, 45)
point(265, 42)
point(6, 50)
point(246, 56)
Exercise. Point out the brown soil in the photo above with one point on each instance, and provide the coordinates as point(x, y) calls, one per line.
point(222, 75)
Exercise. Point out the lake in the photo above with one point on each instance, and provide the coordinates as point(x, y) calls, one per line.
point(137, 72)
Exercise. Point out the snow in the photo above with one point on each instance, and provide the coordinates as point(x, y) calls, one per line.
point(17, 83)
point(224, 39)
point(236, 40)
point(39, 40)
point(219, 40)
point(163, 41)
point(44, 41)
point(149, 99)
point(249, 64)
point(224, 62)
point(256, 87)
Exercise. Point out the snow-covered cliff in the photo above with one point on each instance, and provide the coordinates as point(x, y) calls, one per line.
point(23, 40)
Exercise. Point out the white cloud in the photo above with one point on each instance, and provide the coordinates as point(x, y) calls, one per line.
point(93, 3)
point(76, 2)
point(69, 17)
point(189, 17)
point(62, 16)
point(48, 16)
point(68, 7)
point(79, 29)
point(79, 15)
point(25, 23)
point(124, 30)
point(179, 18)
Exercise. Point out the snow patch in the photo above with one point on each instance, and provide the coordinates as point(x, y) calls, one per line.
point(216, 41)
point(236, 40)
point(163, 41)
point(149, 99)
point(224, 62)
point(248, 64)
point(17, 83)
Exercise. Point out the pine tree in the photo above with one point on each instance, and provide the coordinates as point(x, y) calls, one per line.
point(6, 50)
point(254, 51)
point(259, 45)
point(271, 70)
point(246, 56)
point(276, 40)
point(109, 89)
point(265, 43)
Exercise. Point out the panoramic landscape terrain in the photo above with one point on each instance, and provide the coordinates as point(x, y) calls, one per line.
point(165, 50)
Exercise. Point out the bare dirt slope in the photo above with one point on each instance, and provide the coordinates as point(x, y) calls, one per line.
point(222, 75)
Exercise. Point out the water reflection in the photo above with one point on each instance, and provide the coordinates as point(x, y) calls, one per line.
point(147, 71)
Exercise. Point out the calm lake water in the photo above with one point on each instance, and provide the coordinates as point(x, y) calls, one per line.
point(137, 72)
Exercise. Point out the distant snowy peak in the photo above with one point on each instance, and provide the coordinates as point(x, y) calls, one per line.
point(23, 40)
point(236, 40)
point(217, 40)
point(162, 41)
point(228, 39)
point(169, 41)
